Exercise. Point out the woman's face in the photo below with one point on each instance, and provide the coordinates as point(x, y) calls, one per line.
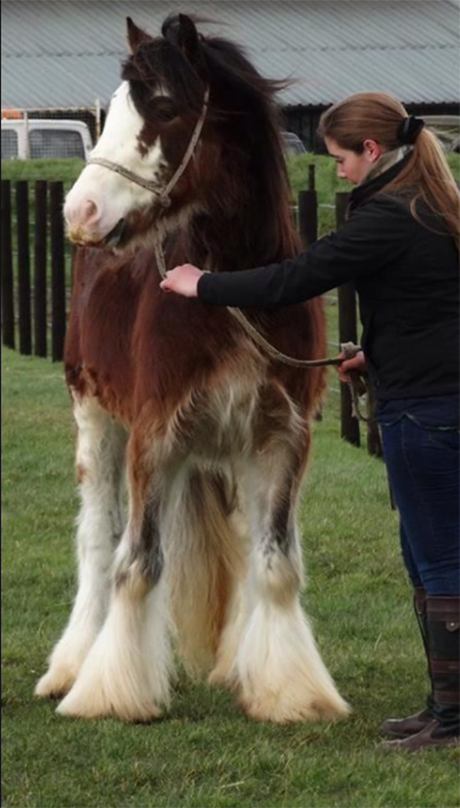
point(351, 166)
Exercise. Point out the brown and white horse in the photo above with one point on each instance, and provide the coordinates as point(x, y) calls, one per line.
point(214, 435)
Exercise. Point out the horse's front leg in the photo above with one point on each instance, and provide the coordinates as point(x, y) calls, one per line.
point(127, 671)
point(277, 667)
point(101, 446)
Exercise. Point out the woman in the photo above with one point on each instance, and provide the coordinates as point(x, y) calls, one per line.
point(400, 247)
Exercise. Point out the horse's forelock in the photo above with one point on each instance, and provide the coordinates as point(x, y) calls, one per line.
point(160, 63)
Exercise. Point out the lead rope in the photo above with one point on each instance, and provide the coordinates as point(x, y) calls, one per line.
point(349, 349)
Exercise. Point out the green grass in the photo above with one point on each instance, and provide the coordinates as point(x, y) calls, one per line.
point(65, 170)
point(205, 752)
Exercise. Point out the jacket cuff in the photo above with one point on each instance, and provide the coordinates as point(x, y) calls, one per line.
point(205, 288)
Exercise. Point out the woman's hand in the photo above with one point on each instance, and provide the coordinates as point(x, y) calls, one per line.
point(358, 363)
point(182, 280)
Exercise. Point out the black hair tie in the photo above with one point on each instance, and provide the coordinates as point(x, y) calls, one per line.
point(409, 129)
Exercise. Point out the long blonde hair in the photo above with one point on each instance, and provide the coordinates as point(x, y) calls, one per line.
point(378, 116)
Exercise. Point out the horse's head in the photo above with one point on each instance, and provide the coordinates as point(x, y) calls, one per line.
point(192, 132)
point(153, 133)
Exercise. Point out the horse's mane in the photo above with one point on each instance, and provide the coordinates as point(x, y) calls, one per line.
point(253, 186)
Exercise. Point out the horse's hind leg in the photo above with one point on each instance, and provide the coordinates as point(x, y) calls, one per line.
point(100, 460)
point(278, 669)
point(127, 670)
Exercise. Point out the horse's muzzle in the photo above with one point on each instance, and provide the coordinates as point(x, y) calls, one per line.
point(78, 235)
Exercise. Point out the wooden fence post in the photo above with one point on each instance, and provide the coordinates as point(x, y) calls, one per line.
point(308, 211)
point(7, 268)
point(349, 426)
point(308, 224)
point(40, 285)
point(58, 295)
point(25, 321)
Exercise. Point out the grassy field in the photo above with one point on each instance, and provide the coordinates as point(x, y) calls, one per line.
point(65, 170)
point(205, 752)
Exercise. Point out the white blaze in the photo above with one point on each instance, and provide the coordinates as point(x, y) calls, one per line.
point(100, 197)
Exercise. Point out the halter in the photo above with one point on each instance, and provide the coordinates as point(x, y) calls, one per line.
point(164, 195)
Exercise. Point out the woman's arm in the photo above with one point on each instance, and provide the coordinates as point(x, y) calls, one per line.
point(374, 237)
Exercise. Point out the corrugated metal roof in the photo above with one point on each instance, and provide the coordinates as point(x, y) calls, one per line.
point(67, 52)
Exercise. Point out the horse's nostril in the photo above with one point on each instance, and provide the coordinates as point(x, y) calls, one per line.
point(90, 210)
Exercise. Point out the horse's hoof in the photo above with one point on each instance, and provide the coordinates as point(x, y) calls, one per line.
point(279, 713)
point(54, 685)
point(97, 704)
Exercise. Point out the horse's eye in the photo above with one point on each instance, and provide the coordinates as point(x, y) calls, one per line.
point(164, 109)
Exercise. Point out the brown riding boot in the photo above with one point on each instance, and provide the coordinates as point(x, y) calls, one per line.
point(403, 727)
point(443, 623)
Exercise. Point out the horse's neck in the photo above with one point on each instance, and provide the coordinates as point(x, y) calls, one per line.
point(231, 244)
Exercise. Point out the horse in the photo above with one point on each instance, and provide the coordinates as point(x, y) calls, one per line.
point(177, 409)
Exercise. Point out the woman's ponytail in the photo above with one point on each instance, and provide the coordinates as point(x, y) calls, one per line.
point(428, 173)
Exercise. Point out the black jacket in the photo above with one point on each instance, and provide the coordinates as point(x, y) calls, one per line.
point(407, 279)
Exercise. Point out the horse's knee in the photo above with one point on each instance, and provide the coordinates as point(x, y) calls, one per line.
point(140, 561)
point(150, 548)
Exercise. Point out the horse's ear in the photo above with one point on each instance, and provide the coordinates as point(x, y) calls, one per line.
point(180, 30)
point(135, 35)
point(188, 37)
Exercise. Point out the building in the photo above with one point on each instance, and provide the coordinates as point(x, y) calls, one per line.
point(66, 53)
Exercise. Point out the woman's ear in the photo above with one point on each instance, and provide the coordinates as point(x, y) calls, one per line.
point(372, 150)
point(135, 35)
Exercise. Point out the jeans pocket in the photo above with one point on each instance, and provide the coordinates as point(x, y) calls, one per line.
point(448, 439)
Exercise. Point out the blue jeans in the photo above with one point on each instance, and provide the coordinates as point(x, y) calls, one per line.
point(420, 439)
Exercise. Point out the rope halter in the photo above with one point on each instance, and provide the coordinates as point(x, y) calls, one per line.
point(164, 195)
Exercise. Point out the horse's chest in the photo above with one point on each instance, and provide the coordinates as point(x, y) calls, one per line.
point(106, 308)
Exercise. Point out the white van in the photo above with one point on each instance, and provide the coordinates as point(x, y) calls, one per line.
point(35, 138)
point(292, 144)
